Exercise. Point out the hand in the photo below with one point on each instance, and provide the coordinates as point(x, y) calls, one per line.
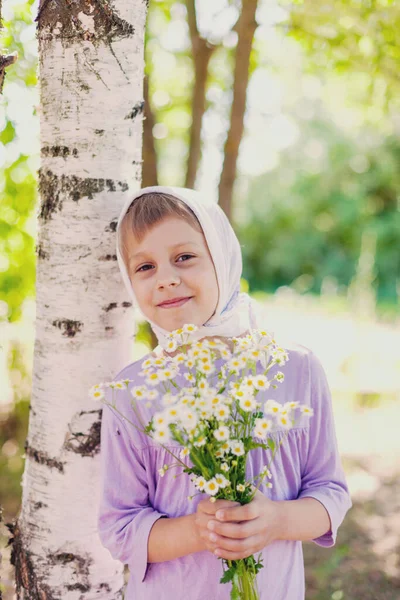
point(204, 513)
point(244, 530)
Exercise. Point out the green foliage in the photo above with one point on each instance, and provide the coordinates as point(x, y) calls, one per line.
point(18, 179)
point(352, 38)
point(306, 218)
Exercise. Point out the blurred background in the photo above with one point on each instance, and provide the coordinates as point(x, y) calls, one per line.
point(315, 202)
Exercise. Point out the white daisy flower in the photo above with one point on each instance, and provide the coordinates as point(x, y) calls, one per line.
point(159, 362)
point(225, 467)
point(160, 419)
point(248, 382)
point(161, 435)
point(307, 410)
point(147, 363)
point(211, 487)
point(225, 446)
point(188, 418)
point(247, 404)
point(152, 394)
point(240, 487)
point(200, 441)
point(171, 345)
point(271, 407)
point(96, 393)
point(222, 481)
point(139, 391)
point(191, 378)
point(261, 382)
point(263, 424)
point(167, 373)
point(221, 412)
point(237, 447)
point(172, 414)
point(184, 452)
point(190, 328)
point(153, 378)
point(279, 376)
point(119, 385)
point(290, 405)
point(222, 433)
point(284, 421)
point(206, 368)
point(200, 483)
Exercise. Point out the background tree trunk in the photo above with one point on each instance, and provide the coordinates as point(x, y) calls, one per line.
point(91, 74)
point(246, 27)
point(202, 51)
point(149, 171)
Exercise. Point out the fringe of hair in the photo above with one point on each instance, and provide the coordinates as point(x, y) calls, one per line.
point(149, 209)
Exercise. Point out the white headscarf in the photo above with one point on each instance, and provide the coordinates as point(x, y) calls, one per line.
point(234, 313)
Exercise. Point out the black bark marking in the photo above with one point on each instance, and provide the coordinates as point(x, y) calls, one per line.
point(80, 567)
point(108, 257)
point(126, 304)
point(71, 328)
point(43, 458)
point(110, 306)
point(40, 253)
point(136, 110)
point(54, 151)
point(60, 19)
point(85, 444)
point(112, 227)
point(99, 131)
point(38, 505)
point(53, 187)
point(108, 328)
point(105, 586)
point(25, 575)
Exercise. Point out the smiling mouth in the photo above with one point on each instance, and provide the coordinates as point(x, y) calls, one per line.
point(175, 304)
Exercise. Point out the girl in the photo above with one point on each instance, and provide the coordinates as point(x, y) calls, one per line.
point(181, 263)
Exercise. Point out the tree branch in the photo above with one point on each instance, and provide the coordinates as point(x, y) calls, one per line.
point(246, 27)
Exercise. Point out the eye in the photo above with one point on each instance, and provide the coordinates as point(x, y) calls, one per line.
point(140, 268)
point(183, 255)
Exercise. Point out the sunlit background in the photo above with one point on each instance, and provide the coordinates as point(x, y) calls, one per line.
point(316, 207)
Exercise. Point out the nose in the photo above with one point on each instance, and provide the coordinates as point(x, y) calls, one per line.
point(168, 280)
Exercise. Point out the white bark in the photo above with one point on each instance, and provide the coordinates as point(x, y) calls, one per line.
point(91, 78)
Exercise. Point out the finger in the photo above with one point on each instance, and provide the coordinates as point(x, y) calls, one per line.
point(239, 531)
point(233, 545)
point(233, 555)
point(238, 513)
point(211, 508)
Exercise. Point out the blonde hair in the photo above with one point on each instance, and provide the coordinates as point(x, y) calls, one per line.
point(149, 209)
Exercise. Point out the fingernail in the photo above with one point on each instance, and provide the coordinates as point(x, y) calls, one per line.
point(213, 537)
point(217, 552)
point(211, 525)
point(220, 514)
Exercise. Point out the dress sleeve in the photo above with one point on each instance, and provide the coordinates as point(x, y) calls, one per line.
point(323, 476)
point(125, 515)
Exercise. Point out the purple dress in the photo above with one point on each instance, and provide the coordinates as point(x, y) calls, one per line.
point(134, 495)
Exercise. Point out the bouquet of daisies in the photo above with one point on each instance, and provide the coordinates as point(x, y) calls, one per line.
point(217, 418)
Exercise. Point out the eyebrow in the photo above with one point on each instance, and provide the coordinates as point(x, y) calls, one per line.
point(138, 254)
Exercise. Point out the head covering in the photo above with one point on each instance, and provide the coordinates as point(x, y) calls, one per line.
point(234, 313)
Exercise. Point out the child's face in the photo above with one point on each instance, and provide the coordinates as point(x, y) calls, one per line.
point(174, 262)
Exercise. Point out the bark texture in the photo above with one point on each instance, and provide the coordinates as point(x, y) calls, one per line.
point(91, 82)
point(246, 27)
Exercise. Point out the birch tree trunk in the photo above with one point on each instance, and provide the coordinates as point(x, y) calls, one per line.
point(91, 77)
